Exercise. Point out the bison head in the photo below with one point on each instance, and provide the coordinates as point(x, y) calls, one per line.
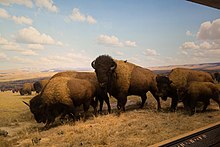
point(163, 85)
point(104, 67)
point(38, 108)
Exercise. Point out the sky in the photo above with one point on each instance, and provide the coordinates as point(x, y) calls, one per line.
point(70, 34)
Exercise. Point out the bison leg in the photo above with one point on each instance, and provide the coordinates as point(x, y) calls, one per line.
point(101, 105)
point(192, 107)
point(217, 100)
point(144, 98)
point(106, 99)
point(174, 104)
point(85, 108)
point(94, 104)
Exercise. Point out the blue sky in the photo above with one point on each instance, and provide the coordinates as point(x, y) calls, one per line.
point(45, 34)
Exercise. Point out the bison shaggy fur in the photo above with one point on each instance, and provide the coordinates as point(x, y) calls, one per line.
point(199, 91)
point(26, 89)
point(61, 96)
point(121, 79)
point(91, 76)
point(168, 86)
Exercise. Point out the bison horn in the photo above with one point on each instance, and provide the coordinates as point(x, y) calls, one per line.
point(113, 66)
point(26, 103)
point(93, 64)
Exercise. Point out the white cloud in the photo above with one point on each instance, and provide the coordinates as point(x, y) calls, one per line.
point(19, 20)
point(3, 41)
point(207, 42)
point(27, 3)
point(114, 41)
point(22, 60)
point(29, 53)
point(31, 35)
point(119, 53)
point(189, 45)
point(109, 40)
point(91, 20)
point(36, 46)
point(130, 43)
point(22, 20)
point(4, 13)
point(188, 33)
point(3, 57)
point(15, 47)
point(68, 60)
point(209, 30)
point(48, 4)
point(78, 16)
point(150, 52)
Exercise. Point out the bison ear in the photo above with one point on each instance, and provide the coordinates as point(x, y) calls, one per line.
point(93, 64)
point(113, 66)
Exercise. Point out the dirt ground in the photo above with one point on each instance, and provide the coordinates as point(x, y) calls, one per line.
point(135, 127)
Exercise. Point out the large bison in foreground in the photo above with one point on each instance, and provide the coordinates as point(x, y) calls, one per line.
point(199, 91)
point(121, 78)
point(179, 78)
point(61, 96)
point(100, 94)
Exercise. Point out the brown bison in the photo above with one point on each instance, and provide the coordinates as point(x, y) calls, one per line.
point(121, 79)
point(61, 96)
point(100, 94)
point(39, 85)
point(178, 78)
point(199, 91)
point(26, 89)
point(217, 76)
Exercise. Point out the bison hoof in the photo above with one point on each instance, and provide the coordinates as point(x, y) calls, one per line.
point(172, 110)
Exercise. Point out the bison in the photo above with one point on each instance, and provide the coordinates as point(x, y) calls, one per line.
point(38, 85)
point(61, 96)
point(121, 79)
point(217, 76)
point(26, 89)
point(168, 86)
point(199, 91)
point(100, 94)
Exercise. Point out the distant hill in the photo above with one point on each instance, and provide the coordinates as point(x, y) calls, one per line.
point(209, 67)
point(27, 74)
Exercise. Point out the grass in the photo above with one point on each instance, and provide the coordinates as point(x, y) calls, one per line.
point(135, 127)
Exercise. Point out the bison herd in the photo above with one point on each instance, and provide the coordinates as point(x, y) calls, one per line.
point(65, 91)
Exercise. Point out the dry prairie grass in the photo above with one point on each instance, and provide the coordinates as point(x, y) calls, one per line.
point(135, 127)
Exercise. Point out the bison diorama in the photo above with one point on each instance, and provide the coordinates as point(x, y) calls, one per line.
point(60, 97)
point(121, 79)
point(178, 78)
point(198, 91)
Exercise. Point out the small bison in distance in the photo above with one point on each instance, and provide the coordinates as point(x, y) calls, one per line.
point(60, 97)
point(199, 91)
point(39, 85)
point(26, 89)
point(100, 94)
point(121, 79)
point(217, 76)
point(178, 78)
